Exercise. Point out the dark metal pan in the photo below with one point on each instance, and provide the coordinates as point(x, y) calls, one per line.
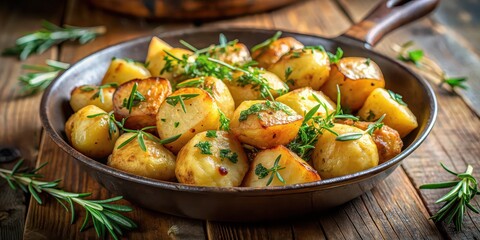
point(251, 204)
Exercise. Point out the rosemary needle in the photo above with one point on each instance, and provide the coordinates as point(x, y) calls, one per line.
point(41, 76)
point(50, 35)
point(104, 215)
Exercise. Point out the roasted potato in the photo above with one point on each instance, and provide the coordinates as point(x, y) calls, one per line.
point(237, 54)
point(332, 158)
point(89, 131)
point(143, 111)
point(242, 89)
point(302, 100)
point(156, 162)
point(217, 88)
point(398, 115)
point(123, 70)
point(303, 68)
point(213, 158)
point(156, 45)
point(265, 124)
point(157, 64)
point(92, 95)
point(388, 141)
point(356, 78)
point(292, 169)
point(199, 113)
point(270, 54)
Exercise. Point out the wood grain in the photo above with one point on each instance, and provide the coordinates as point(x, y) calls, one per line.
point(19, 121)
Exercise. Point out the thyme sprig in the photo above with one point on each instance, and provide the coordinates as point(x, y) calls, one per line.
point(427, 66)
point(457, 200)
point(263, 172)
point(355, 136)
point(41, 76)
point(51, 35)
point(103, 214)
point(263, 106)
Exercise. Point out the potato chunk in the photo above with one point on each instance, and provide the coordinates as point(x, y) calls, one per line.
point(243, 90)
point(292, 169)
point(123, 70)
point(236, 54)
point(213, 158)
point(201, 113)
point(270, 54)
point(156, 162)
point(332, 158)
point(143, 112)
point(265, 124)
point(303, 68)
point(302, 100)
point(173, 72)
point(356, 77)
point(156, 45)
point(91, 134)
point(92, 95)
point(216, 88)
point(398, 116)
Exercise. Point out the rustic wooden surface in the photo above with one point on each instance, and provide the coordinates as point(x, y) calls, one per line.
point(395, 209)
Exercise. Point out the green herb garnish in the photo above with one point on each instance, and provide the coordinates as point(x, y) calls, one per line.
point(204, 147)
point(99, 93)
point(212, 134)
point(263, 172)
point(355, 136)
point(141, 133)
point(228, 154)
point(134, 99)
point(42, 76)
point(396, 97)
point(174, 100)
point(267, 42)
point(224, 121)
point(263, 106)
point(112, 122)
point(334, 58)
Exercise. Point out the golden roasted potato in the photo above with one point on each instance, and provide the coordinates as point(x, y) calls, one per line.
point(242, 89)
point(157, 64)
point(199, 113)
point(356, 77)
point(332, 158)
point(237, 54)
point(303, 68)
point(302, 101)
point(212, 158)
point(388, 141)
point(156, 45)
point(265, 124)
point(398, 115)
point(93, 95)
point(292, 169)
point(144, 107)
point(217, 88)
point(156, 162)
point(89, 131)
point(270, 54)
point(123, 70)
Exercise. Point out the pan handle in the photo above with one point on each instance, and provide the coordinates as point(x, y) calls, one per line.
point(388, 16)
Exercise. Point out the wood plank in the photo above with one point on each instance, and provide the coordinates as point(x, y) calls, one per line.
point(50, 221)
point(19, 124)
point(454, 144)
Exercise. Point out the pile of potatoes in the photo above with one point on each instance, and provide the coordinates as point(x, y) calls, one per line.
point(204, 151)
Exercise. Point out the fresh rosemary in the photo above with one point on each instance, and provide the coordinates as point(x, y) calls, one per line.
point(174, 100)
point(99, 93)
point(139, 134)
point(397, 97)
point(457, 200)
point(103, 214)
point(113, 124)
point(133, 99)
point(263, 172)
point(41, 76)
point(267, 42)
point(355, 136)
point(263, 106)
point(50, 35)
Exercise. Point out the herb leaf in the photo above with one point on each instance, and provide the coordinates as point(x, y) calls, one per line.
point(134, 99)
point(334, 58)
point(224, 121)
point(228, 154)
point(41, 76)
point(397, 97)
point(211, 134)
point(263, 172)
point(174, 100)
point(204, 147)
point(258, 107)
point(267, 42)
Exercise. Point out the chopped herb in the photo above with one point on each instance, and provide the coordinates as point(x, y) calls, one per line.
point(99, 93)
point(228, 154)
point(174, 100)
point(267, 42)
point(211, 134)
point(224, 121)
point(204, 147)
point(176, 124)
point(334, 58)
point(263, 106)
point(263, 172)
point(134, 99)
point(163, 120)
point(295, 54)
point(367, 62)
point(370, 116)
point(397, 97)
point(113, 124)
point(288, 72)
point(192, 83)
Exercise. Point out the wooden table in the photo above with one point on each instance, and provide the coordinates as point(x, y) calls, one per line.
point(394, 209)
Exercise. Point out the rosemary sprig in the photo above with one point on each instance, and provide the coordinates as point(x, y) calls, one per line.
point(139, 134)
point(263, 172)
point(457, 200)
point(267, 42)
point(174, 100)
point(427, 66)
point(370, 129)
point(50, 35)
point(258, 107)
point(134, 99)
point(41, 76)
point(99, 93)
point(113, 124)
point(104, 215)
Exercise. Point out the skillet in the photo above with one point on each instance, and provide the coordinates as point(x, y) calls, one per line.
point(251, 204)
